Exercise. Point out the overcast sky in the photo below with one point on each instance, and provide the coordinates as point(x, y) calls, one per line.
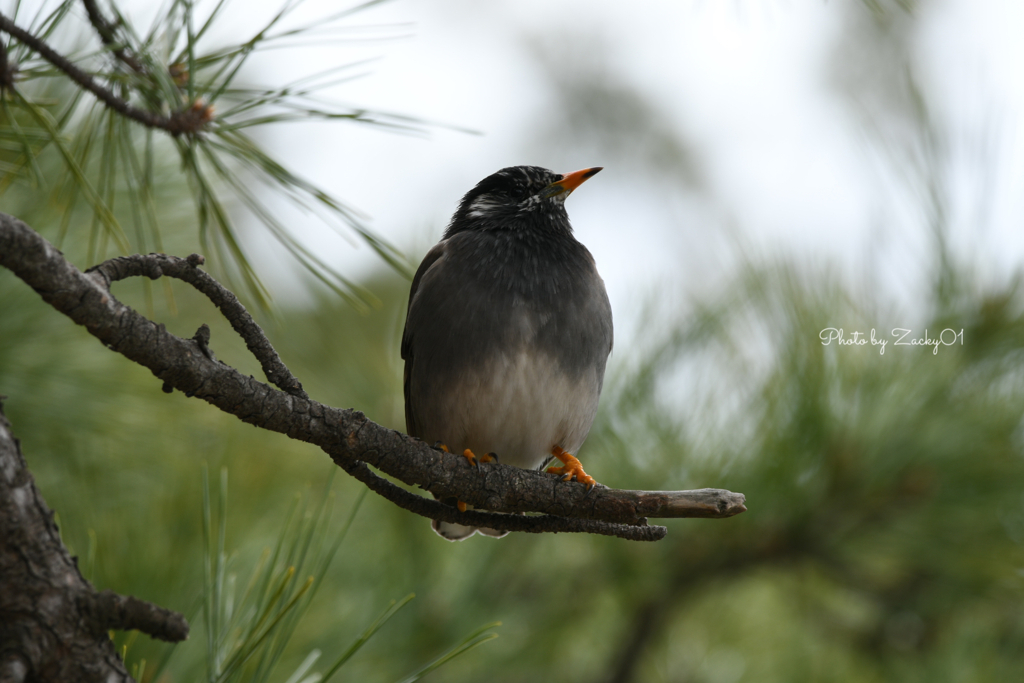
point(765, 155)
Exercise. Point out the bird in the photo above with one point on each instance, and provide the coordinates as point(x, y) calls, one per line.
point(508, 331)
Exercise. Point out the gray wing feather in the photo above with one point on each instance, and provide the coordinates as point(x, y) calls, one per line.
point(429, 260)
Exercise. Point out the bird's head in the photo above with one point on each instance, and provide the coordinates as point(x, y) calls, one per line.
point(518, 195)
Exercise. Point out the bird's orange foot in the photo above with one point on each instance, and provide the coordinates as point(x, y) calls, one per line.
point(474, 460)
point(571, 468)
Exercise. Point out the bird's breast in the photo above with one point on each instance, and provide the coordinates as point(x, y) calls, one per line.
point(518, 405)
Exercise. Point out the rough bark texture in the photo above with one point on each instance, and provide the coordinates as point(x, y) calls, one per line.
point(346, 435)
point(53, 623)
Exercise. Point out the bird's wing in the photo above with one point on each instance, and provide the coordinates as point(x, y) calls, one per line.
point(429, 260)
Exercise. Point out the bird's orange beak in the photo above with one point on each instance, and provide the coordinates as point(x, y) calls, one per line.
point(570, 181)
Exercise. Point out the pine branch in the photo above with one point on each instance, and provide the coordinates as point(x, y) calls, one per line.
point(218, 159)
point(347, 436)
point(187, 120)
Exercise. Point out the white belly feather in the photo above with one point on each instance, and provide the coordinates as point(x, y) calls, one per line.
point(519, 406)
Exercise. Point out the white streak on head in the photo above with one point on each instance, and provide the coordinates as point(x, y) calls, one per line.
point(482, 207)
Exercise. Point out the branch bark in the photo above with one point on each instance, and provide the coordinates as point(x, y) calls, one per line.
point(53, 623)
point(350, 439)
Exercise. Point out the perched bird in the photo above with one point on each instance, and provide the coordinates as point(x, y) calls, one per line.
point(508, 330)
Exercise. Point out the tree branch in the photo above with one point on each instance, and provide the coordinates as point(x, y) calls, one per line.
point(190, 119)
point(126, 613)
point(536, 524)
point(346, 435)
point(53, 623)
point(154, 266)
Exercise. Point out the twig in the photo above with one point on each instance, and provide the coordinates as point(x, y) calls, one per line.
point(154, 266)
point(6, 72)
point(190, 119)
point(128, 613)
point(346, 435)
point(107, 33)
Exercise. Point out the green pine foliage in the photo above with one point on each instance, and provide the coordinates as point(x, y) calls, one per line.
point(883, 540)
point(109, 166)
point(885, 534)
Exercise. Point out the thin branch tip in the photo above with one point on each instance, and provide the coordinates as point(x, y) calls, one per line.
point(128, 613)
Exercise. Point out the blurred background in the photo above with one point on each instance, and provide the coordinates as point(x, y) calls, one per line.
point(771, 170)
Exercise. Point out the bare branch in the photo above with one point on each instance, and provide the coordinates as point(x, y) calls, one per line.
point(346, 435)
point(126, 613)
point(535, 524)
point(708, 503)
point(189, 119)
point(155, 265)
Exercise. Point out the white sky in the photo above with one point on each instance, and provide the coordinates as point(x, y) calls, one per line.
point(787, 168)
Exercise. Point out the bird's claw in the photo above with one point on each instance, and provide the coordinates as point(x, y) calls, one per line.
point(475, 461)
point(571, 468)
